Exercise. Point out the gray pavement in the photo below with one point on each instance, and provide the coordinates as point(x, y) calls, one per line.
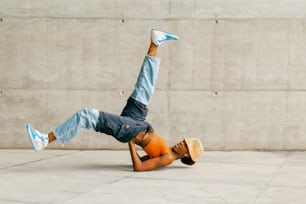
point(72, 177)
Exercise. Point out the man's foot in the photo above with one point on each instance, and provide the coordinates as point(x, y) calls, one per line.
point(159, 36)
point(39, 141)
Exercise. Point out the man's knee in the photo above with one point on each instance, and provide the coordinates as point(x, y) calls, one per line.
point(88, 116)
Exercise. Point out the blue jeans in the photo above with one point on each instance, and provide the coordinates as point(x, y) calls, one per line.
point(132, 119)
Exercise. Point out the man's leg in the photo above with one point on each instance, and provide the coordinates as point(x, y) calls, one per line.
point(148, 74)
point(85, 118)
point(145, 85)
point(136, 106)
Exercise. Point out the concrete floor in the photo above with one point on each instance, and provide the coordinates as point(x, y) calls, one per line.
point(65, 176)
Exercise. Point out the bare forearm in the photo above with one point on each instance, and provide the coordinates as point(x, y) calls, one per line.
point(137, 163)
point(146, 163)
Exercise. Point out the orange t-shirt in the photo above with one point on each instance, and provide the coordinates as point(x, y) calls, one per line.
point(157, 147)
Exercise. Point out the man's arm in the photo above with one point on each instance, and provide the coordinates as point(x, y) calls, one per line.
point(145, 163)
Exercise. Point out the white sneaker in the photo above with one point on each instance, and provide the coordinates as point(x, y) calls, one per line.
point(39, 141)
point(159, 36)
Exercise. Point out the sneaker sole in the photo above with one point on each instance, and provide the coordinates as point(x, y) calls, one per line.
point(29, 130)
point(173, 36)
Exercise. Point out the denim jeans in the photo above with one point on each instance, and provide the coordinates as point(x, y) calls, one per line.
point(132, 119)
point(146, 80)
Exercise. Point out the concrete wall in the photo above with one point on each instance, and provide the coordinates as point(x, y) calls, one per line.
point(236, 78)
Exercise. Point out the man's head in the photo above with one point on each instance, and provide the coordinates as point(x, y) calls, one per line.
point(194, 148)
